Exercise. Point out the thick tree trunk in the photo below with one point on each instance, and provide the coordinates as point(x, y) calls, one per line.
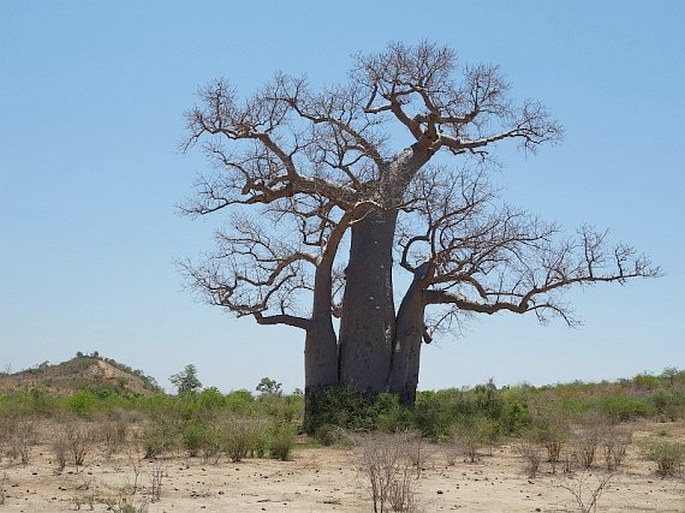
point(320, 366)
point(367, 327)
point(321, 347)
point(320, 356)
point(404, 372)
point(368, 318)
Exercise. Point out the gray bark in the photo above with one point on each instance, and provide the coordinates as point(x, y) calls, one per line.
point(404, 371)
point(367, 328)
point(368, 318)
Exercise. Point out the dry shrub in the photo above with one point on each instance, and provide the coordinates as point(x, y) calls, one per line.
point(615, 442)
point(586, 491)
point(8, 426)
point(532, 457)
point(156, 477)
point(60, 449)
point(388, 462)
point(2, 488)
point(471, 434)
point(112, 430)
point(585, 446)
point(551, 430)
point(241, 435)
point(452, 453)
point(73, 444)
point(78, 444)
point(22, 441)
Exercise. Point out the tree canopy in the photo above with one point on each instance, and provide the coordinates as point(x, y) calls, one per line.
point(329, 193)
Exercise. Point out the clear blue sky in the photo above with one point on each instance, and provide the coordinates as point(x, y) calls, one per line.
point(92, 95)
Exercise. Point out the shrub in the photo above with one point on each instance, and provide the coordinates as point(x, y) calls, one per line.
point(586, 493)
point(668, 456)
point(242, 435)
point(281, 441)
point(472, 433)
point(240, 402)
point(432, 415)
point(386, 461)
point(329, 434)
point(160, 437)
point(516, 417)
point(112, 428)
point(585, 446)
point(22, 441)
point(79, 438)
point(60, 449)
point(623, 408)
point(211, 400)
point(670, 406)
point(81, 402)
point(615, 442)
point(194, 437)
point(532, 457)
point(550, 429)
point(343, 407)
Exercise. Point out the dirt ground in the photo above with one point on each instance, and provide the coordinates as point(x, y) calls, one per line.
point(327, 479)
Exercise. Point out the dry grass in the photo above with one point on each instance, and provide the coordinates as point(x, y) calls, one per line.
point(389, 462)
point(586, 490)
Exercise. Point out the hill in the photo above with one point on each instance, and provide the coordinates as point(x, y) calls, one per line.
point(83, 372)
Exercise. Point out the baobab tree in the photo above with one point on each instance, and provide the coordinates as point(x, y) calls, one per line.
point(330, 193)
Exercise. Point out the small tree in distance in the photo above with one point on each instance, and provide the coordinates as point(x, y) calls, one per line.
point(269, 386)
point(186, 380)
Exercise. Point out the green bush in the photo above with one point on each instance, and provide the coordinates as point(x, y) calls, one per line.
point(343, 407)
point(329, 434)
point(622, 408)
point(551, 429)
point(159, 439)
point(668, 456)
point(241, 436)
point(211, 400)
point(472, 433)
point(195, 437)
point(281, 441)
point(280, 407)
point(432, 415)
point(516, 417)
point(669, 405)
point(81, 402)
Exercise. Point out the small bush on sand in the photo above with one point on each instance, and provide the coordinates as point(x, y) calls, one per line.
point(532, 455)
point(586, 491)
point(473, 433)
point(667, 455)
point(585, 444)
point(551, 430)
point(615, 442)
point(22, 441)
point(3, 480)
point(241, 435)
point(160, 438)
point(386, 460)
point(281, 441)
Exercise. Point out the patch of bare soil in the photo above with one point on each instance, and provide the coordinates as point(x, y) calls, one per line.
point(327, 479)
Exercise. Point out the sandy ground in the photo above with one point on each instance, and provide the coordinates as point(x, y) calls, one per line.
point(327, 479)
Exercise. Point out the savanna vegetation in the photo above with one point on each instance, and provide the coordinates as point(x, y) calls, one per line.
point(551, 423)
point(559, 431)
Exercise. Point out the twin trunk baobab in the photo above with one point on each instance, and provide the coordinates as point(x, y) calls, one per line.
point(323, 208)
